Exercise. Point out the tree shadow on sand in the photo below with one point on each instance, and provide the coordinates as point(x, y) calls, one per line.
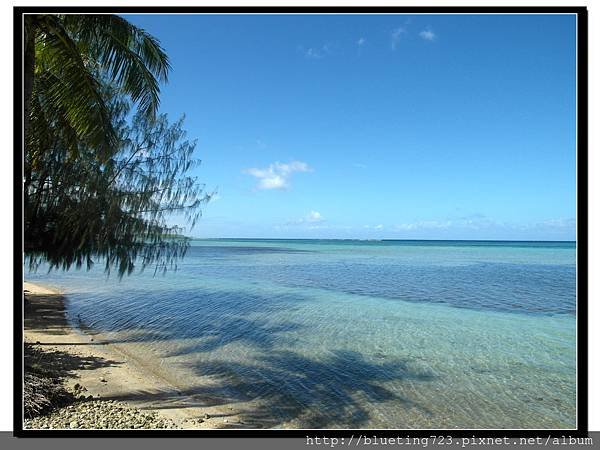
point(336, 389)
point(61, 364)
point(288, 388)
point(44, 374)
point(45, 312)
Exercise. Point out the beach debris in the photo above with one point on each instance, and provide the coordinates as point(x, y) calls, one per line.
point(103, 380)
point(100, 414)
point(41, 393)
point(206, 416)
point(78, 389)
point(43, 389)
point(193, 421)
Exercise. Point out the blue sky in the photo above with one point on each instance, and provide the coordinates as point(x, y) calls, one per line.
point(380, 126)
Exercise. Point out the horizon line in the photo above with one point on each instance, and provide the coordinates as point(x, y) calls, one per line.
point(376, 240)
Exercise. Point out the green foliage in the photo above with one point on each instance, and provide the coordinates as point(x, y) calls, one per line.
point(103, 172)
point(74, 56)
point(83, 207)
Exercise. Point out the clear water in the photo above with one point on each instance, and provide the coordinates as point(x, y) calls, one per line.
point(354, 334)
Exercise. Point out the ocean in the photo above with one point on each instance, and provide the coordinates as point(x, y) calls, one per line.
point(353, 334)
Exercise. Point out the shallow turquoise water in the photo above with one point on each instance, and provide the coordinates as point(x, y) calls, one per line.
point(355, 334)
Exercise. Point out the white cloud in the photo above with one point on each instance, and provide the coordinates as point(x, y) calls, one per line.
point(475, 221)
point(312, 219)
point(277, 175)
point(479, 222)
point(426, 224)
point(315, 52)
point(373, 227)
point(396, 36)
point(428, 35)
point(561, 224)
point(314, 216)
point(361, 42)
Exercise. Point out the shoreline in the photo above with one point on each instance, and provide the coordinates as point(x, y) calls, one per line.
point(107, 371)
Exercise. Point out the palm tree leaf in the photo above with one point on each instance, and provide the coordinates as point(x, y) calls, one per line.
point(74, 89)
point(128, 55)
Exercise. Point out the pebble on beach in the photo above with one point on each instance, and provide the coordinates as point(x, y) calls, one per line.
point(99, 414)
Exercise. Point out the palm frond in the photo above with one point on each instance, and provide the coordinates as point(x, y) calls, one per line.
point(128, 55)
point(70, 86)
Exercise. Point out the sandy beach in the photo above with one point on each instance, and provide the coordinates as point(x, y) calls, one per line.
point(106, 371)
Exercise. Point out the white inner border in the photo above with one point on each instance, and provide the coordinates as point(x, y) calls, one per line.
point(6, 171)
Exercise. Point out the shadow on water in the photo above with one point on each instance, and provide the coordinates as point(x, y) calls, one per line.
point(286, 388)
point(332, 392)
point(214, 319)
point(274, 388)
point(256, 333)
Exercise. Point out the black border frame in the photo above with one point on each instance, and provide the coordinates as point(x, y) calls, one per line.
point(581, 243)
